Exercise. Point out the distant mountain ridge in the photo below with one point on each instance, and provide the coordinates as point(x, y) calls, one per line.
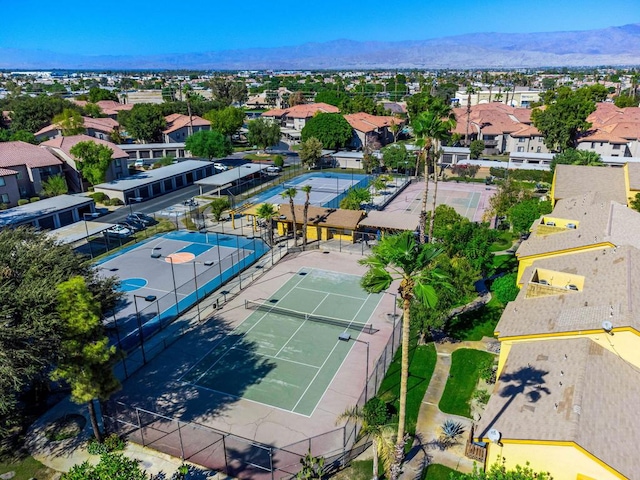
point(609, 46)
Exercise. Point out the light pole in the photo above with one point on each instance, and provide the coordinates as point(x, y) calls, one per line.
point(133, 199)
point(140, 335)
point(345, 337)
point(86, 229)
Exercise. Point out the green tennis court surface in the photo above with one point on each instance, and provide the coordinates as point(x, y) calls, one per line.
point(297, 358)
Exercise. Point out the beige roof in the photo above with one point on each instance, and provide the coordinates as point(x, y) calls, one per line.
point(176, 121)
point(388, 221)
point(569, 391)
point(491, 118)
point(611, 291)
point(324, 217)
point(574, 180)
point(633, 170)
point(66, 143)
point(20, 153)
point(599, 221)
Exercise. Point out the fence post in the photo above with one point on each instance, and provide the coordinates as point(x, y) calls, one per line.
point(140, 427)
point(224, 449)
point(271, 463)
point(181, 444)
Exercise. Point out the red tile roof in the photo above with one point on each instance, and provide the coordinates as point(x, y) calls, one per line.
point(20, 153)
point(365, 122)
point(102, 124)
point(176, 121)
point(66, 143)
point(5, 172)
point(306, 110)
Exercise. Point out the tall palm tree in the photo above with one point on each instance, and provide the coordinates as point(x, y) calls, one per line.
point(400, 257)
point(305, 214)
point(267, 212)
point(381, 436)
point(431, 127)
point(290, 193)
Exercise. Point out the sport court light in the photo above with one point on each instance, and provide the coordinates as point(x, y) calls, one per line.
point(346, 337)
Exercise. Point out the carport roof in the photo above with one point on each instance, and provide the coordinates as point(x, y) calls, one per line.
point(78, 231)
point(385, 221)
point(232, 175)
point(151, 176)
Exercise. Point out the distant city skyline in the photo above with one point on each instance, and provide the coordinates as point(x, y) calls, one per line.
point(142, 28)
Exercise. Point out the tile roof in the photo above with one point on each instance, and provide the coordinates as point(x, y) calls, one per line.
point(570, 390)
point(176, 121)
point(609, 292)
point(365, 122)
point(5, 172)
point(600, 221)
point(492, 118)
point(324, 217)
point(66, 143)
point(575, 180)
point(20, 153)
point(306, 110)
point(105, 124)
point(612, 124)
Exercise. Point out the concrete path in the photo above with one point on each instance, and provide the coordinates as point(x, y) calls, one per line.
point(426, 448)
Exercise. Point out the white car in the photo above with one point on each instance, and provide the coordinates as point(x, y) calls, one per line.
point(220, 166)
point(119, 231)
point(273, 169)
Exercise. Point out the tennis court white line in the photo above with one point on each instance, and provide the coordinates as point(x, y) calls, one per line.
point(238, 341)
point(276, 357)
point(316, 375)
point(332, 293)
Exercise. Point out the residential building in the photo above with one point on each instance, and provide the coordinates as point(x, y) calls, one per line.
point(179, 127)
point(61, 148)
point(110, 108)
point(292, 120)
point(614, 131)
point(48, 214)
point(372, 131)
point(521, 97)
point(323, 223)
point(100, 128)
point(24, 168)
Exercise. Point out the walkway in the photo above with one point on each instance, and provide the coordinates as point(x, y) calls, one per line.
point(426, 448)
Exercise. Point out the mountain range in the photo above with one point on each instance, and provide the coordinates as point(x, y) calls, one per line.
point(608, 46)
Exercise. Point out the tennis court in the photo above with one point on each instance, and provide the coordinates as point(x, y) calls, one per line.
point(327, 189)
point(294, 334)
point(169, 273)
point(468, 199)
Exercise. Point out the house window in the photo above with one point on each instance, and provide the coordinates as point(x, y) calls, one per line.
point(593, 144)
point(19, 175)
point(2, 182)
point(521, 149)
point(521, 140)
point(4, 198)
point(616, 146)
point(539, 139)
point(538, 150)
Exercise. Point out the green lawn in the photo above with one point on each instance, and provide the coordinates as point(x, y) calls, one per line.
point(472, 326)
point(259, 157)
point(436, 471)
point(504, 242)
point(463, 378)
point(503, 263)
point(422, 360)
point(25, 468)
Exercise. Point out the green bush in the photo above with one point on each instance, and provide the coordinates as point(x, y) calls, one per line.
point(22, 201)
point(34, 199)
point(481, 396)
point(115, 202)
point(111, 444)
point(99, 197)
point(278, 161)
point(3, 206)
point(505, 288)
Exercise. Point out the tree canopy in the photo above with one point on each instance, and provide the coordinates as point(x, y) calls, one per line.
point(571, 156)
point(93, 160)
point(310, 152)
point(226, 121)
point(263, 133)
point(33, 113)
point(70, 122)
point(97, 94)
point(209, 144)
point(31, 267)
point(228, 91)
point(332, 129)
point(395, 156)
point(565, 116)
point(522, 215)
point(143, 122)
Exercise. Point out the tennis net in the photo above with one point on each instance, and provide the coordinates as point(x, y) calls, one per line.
point(315, 188)
point(266, 307)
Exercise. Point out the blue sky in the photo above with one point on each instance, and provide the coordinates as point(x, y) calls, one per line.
point(161, 26)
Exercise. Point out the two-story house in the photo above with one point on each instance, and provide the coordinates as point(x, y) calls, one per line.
point(94, 127)
point(292, 120)
point(179, 127)
point(372, 130)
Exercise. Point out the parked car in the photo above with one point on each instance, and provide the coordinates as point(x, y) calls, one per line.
point(119, 231)
point(142, 218)
point(220, 166)
point(134, 225)
point(274, 169)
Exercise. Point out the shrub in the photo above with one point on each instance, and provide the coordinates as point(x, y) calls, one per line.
point(22, 201)
point(115, 202)
point(278, 161)
point(488, 371)
point(99, 197)
point(111, 444)
point(34, 199)
point(481, 396)
point(505, 288)
point(3, 206)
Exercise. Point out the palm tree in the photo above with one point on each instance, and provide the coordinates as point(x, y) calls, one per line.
point(400, 257)
point(290, 193)
point(431, 127)
point(267, 212)
point(305, 215)
point(381, 436)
